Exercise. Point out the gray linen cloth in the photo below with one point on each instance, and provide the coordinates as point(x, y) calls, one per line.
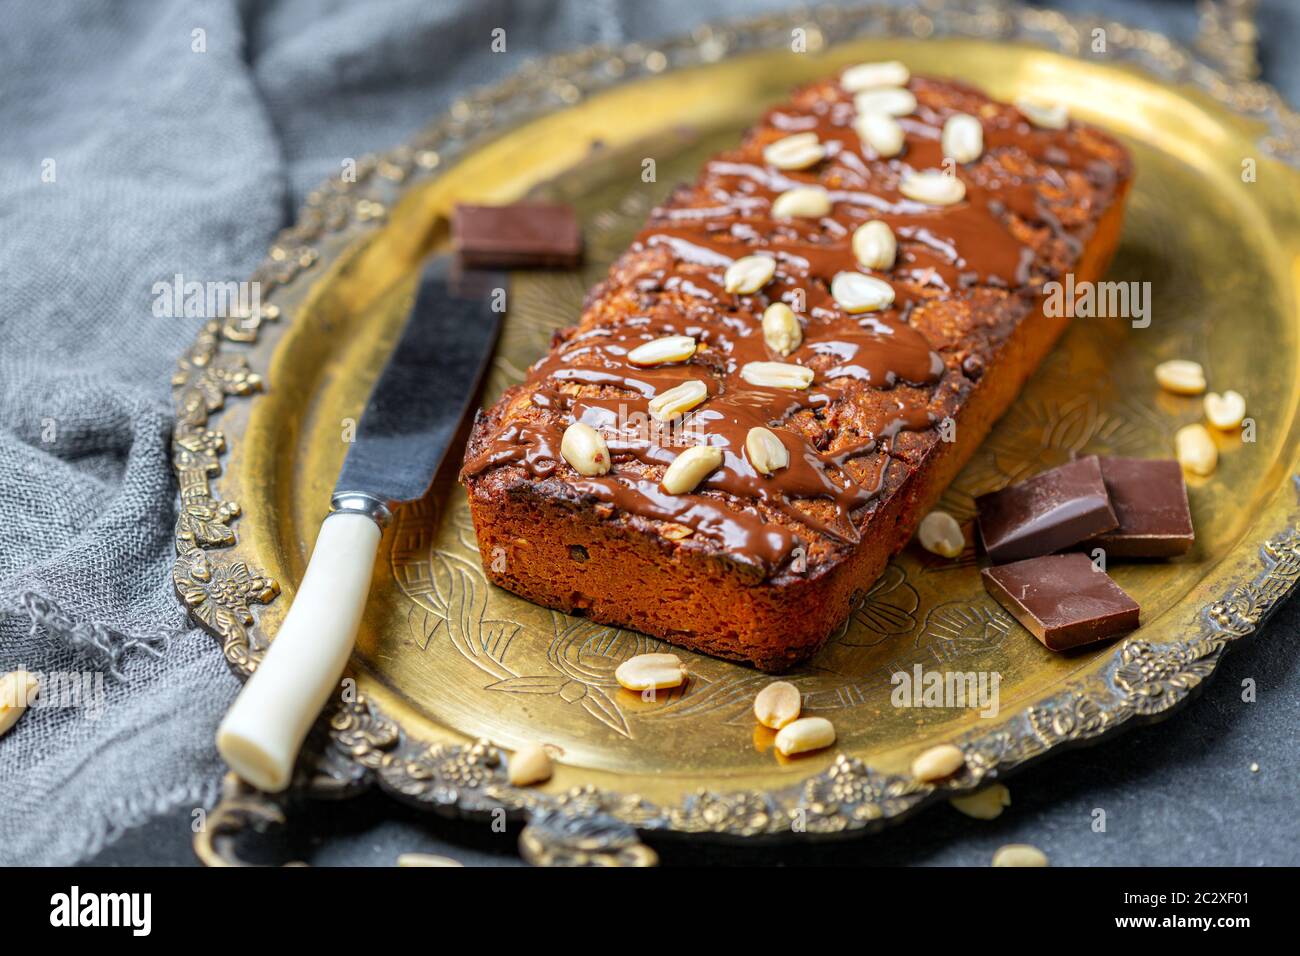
point(127, 156)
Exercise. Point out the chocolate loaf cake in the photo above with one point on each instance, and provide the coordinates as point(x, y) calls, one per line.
point(798, 352)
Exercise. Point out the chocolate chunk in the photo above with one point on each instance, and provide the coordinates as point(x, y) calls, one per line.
point(1062, 599)
point(1150, 500)
point(525, 235)
point(1046, 513)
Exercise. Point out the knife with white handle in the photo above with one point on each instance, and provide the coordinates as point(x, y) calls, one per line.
point(412, 417)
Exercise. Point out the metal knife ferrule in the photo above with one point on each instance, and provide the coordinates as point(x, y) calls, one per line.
point(359, 502)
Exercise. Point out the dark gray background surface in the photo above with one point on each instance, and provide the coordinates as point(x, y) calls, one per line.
point(1178, 793)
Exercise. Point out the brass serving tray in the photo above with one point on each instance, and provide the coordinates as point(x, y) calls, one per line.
point(449, 668)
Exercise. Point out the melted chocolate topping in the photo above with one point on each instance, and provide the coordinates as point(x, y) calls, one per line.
point(943, 252)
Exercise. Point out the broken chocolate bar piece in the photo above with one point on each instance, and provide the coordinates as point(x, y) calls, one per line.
point(1063, 599)
point(525, 235)
point(1150, 500)
point(1046, 513)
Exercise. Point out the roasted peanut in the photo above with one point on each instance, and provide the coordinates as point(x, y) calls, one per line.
point(1195, 450)
point(765, 451)
point(426, 859)
point(854, 292)
point(870, 76)
point(748, 274)
point(1225, 411)
point(874, 245)
point(805, 734)
point(802, 202)
point(795, 152)
point(677, 401)
point(777, 375)
point(963, 138)
point(1180, 376)
point(933, 187)
point(940, 534)
point(985, 804)
point(891, 100)
point(1019, 854)
point(781, 329)
point(17, 689)
point(1044, 115)
point(530, 764)
point(584, 448)
point(881, 132)
point(937, 763)
point(670, 348)
point(651, 672)
point(778, 704)
point(690, 468)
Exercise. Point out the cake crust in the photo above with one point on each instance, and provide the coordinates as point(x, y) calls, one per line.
point(762, 568)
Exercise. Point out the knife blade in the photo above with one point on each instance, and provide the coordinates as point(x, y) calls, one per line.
point(409, 422)
point(427, 386)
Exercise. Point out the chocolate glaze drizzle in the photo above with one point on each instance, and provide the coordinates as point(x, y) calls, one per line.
point(673, 275)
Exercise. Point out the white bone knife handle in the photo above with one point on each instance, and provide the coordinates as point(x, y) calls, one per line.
point(264, 729)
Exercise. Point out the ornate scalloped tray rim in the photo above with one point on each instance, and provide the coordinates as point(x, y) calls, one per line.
point(357, 745)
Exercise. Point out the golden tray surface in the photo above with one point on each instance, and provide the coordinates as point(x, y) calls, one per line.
point(448, 668)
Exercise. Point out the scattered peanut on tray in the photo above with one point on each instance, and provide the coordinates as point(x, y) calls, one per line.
point(804, 735)
point(1194, 445)
point(939, 533)
point(651, 672)
point(938, 763)
point(1182, 377)
point(1225, 411)
point(1195, 449)
point(778, 704)
point(530, 764)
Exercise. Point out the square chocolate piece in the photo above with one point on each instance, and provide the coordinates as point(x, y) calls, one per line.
point(1062, 599)
point(524, 235)
point(1150, 500)
point(1046, 513)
